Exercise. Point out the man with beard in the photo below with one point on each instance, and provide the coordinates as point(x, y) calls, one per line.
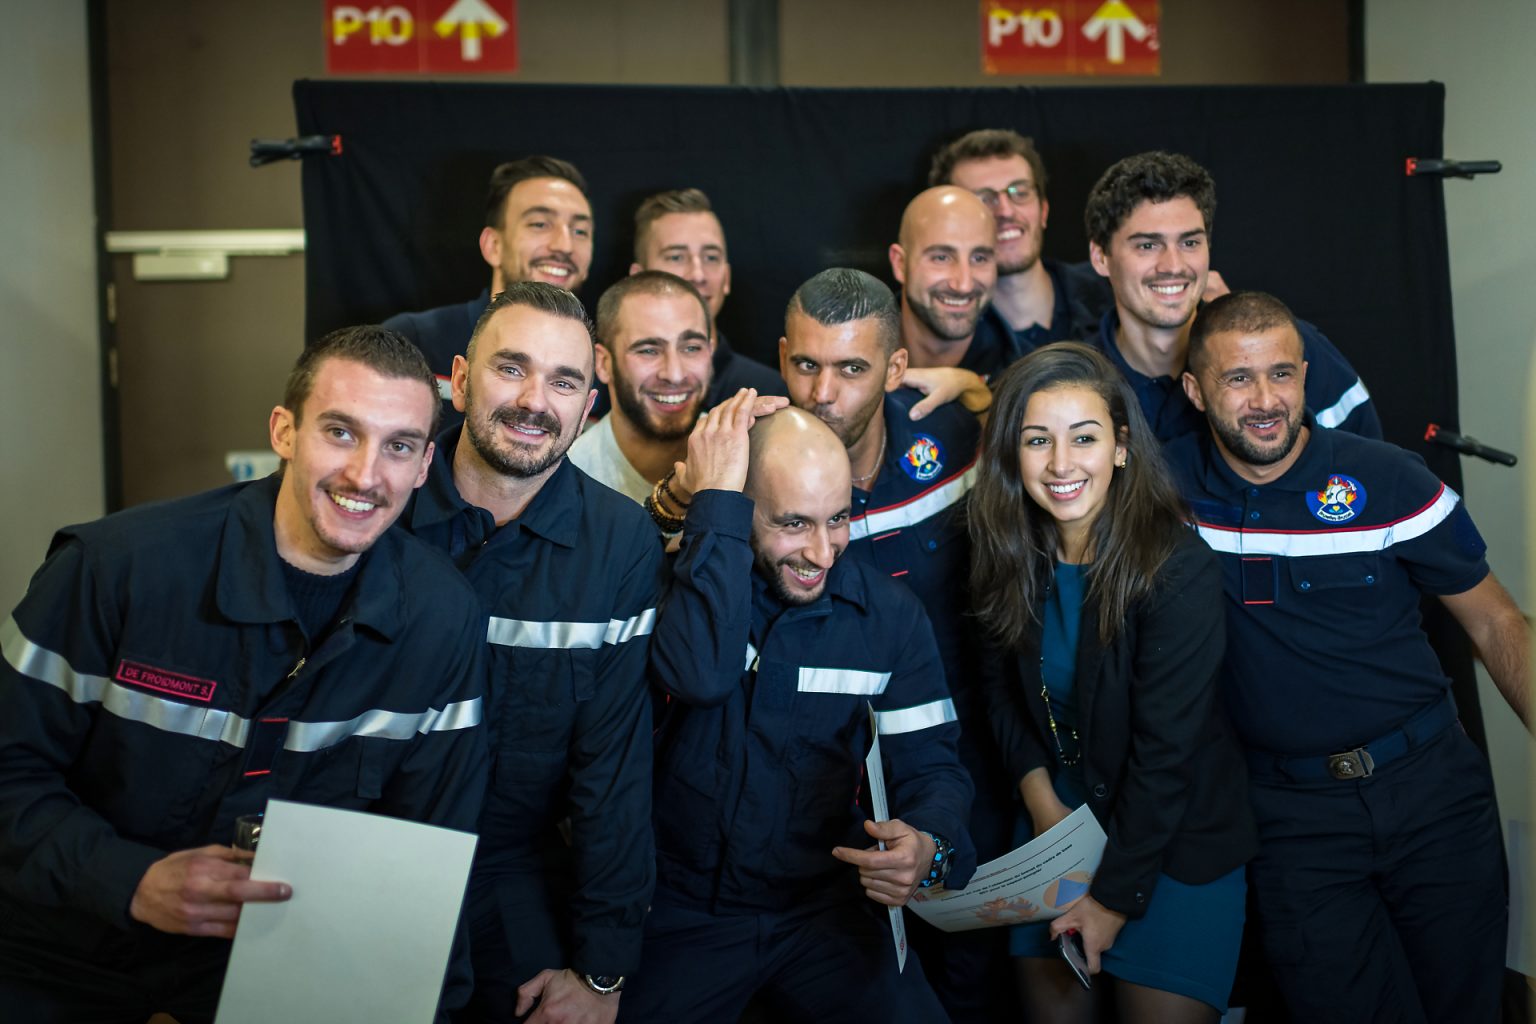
point(773, 650)
point(1380, 877)
point(538, 227)
point(653, 353)
point(1036, 300)
point(945, 262)
point(842, 360)
point(1149, 222)
point(175, 666)
point(570, 573)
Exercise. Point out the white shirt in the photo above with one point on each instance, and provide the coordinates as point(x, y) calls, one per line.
point(596, 453)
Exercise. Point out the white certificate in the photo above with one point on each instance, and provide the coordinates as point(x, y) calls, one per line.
point(367, 933)
point(1033, 883)
point(874, 770)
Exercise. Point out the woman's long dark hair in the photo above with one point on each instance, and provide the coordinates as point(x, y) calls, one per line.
point(1014, 541)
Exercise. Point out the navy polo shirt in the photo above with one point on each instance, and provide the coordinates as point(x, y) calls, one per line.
point(1081, 297)
point(1335, 393)
point(1323, 571)
point(911, 526)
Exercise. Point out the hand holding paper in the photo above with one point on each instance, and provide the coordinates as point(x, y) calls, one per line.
point(890, 873)
point(200, 892)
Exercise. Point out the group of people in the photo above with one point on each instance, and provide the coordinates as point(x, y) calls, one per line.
point(633, 607)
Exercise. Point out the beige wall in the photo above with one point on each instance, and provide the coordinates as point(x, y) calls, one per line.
point(50, 420)
point(1481, 53)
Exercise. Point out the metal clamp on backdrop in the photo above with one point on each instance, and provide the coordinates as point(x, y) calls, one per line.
point(1436, 434)
point(1427, 167)
point(266, 151)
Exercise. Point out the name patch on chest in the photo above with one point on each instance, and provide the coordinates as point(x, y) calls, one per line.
point(162, 680)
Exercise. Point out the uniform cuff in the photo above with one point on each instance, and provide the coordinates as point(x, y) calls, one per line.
point(723, 512)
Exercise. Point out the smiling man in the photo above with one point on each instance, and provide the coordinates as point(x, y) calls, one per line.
point(946, 263)
point(773, 648)
point(174, 666)
point(538, 227)
point(570, 574)
point(1149, 221)
point(1365, 787)
point(654, 355)
point(1037, 300)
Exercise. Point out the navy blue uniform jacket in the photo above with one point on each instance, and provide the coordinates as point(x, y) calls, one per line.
point(1161, 766)
point(156, 685)
point(571, 586)
point(760, 758)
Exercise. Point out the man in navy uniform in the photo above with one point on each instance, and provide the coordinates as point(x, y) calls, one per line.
point(570, 573)
point(1149, 221)
point(174, 666)
point(772, 650)
point(538, 227)
point(1380, 880)
point(1037, 300)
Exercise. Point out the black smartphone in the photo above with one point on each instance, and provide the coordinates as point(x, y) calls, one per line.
point(1071, 946)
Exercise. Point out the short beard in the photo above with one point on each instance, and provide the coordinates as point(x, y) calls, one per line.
point(640, 417)
point(1236, 442)
point(770, 572)
point(930, 319)
point(513, 464)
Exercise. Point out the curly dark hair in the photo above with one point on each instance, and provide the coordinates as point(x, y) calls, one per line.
point(1146, 178)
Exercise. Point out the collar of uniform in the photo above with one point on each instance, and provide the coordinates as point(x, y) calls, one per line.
point(250, 585)
point(900, 434)
point(723, 354)
point(1109, 324)
point(1314, 463)
point(843, 584)
point(474, 307)
point(554, 513)
point(993, 346)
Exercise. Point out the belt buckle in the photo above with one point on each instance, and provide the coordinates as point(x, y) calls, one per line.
point(1351, 764)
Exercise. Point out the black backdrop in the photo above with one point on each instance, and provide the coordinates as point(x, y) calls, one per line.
point(1313, 202)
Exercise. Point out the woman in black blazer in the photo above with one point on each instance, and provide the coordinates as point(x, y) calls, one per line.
point(1106, 617)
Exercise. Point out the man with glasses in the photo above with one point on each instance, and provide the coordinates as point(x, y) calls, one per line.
point(1036, 300)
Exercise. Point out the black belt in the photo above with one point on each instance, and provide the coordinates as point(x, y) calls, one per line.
point(1365, 759)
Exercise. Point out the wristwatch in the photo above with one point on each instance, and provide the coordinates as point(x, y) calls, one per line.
point(603, 984)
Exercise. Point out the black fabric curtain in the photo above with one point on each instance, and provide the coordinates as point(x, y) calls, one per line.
point(1313, 201)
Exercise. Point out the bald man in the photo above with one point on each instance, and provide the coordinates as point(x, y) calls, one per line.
point(945, 260)
point(772, 650)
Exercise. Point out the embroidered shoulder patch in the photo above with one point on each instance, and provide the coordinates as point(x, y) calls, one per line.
point(1341, 499)
point(924, 459)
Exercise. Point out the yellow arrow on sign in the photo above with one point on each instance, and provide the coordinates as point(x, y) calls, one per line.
point(1114, 20)
point(469, 18)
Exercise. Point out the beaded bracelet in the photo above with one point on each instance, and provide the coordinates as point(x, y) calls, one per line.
point(943, 856)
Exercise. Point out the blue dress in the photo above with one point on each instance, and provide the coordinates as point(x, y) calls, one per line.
point(1188, 940)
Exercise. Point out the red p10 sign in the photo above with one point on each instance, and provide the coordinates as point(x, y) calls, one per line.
point(1070, 37)
point(421, 35)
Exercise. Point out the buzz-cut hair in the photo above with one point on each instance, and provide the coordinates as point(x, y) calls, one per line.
point(546, 298)
point(983, 144)
point(842, 295)
point(646, 282)
point(1146, 178)
point(508, 175)
point(1236, 312)
point(653, 208)
point(382, 350)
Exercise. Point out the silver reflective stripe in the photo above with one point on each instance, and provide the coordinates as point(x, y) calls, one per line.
point(842, 680)
point(751, 657)
point(1348, 402)
point(1345, 541)
point(389, 725)
point(45, 666)
point(588, 636)
point(924, 716)
point(914, 510)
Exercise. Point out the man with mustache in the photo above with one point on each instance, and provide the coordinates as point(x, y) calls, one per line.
point(1149, 221)
point(773, 649)
point(945, 260)
point(653, 352)
point(570, 573)
point(538, 227)
point(174, 666)
point(1037, 300)
point(1380, 880)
